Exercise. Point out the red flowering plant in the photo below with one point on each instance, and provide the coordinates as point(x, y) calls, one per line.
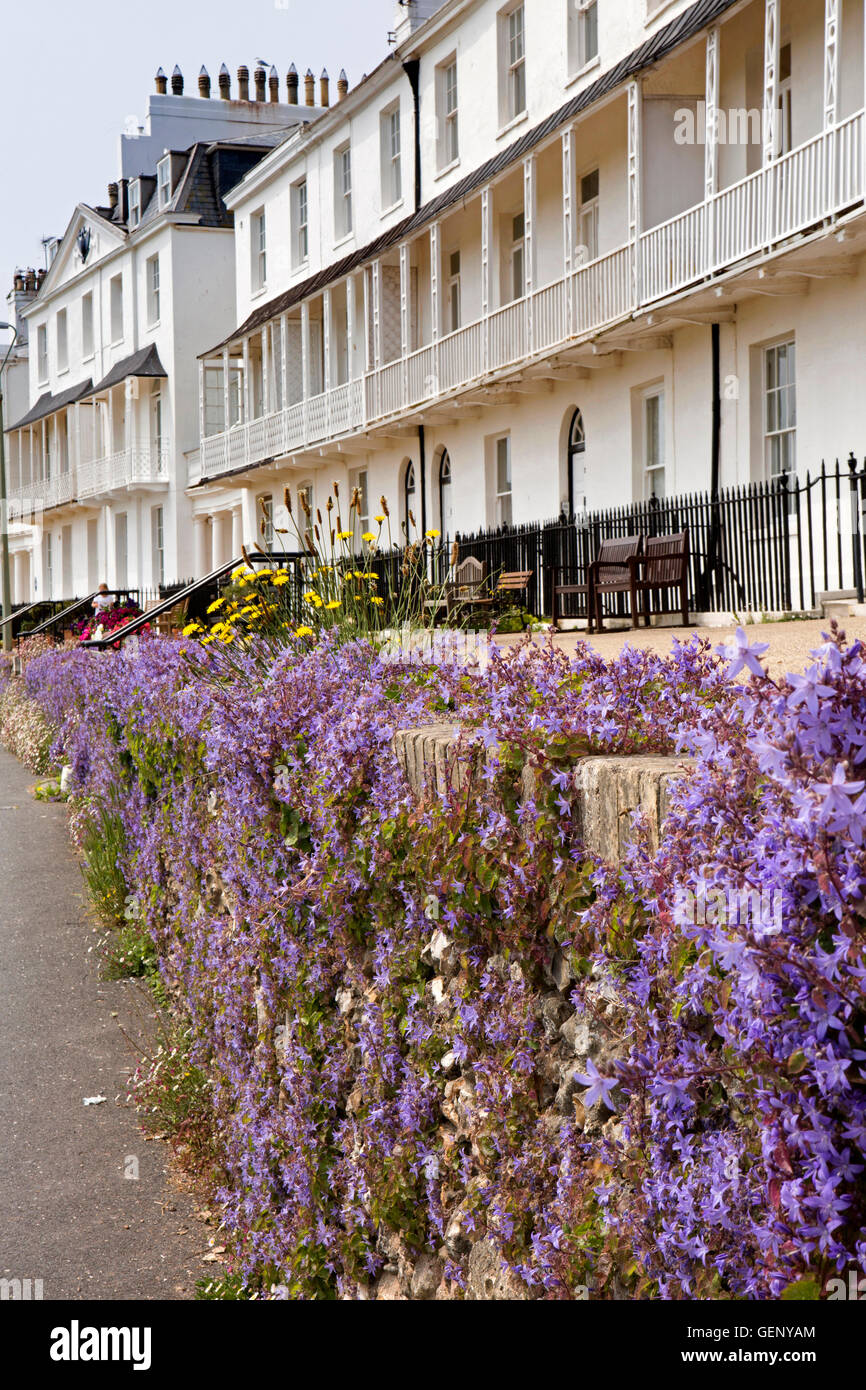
point(109, 620)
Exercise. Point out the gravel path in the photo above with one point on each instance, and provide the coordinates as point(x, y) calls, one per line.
point(791, 643)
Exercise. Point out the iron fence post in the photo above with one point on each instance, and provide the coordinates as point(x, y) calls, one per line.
point(856, 541)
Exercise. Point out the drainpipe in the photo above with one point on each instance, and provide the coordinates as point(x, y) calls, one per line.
point(412, 69)
point(712, 558)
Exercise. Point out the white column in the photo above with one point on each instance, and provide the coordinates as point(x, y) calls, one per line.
point(326, 339)
point(529, 203)
point(569, 237)
point(305, 361)
point(201, 526)
point(266, 372)
point(832, 35)
point(247, 388)
point(711, 148)
point(486, 287)
point(350, 327)
point(635, 136)
point(435, 271)
point(404, 320)
point(376, 277)
point(771, 78)
point(237, 531)
point(284, 359)
point(226, 390)
point(201, 411)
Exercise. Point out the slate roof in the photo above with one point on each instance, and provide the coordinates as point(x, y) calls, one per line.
point(664, 41)
point(145, 362)
point(47, 404)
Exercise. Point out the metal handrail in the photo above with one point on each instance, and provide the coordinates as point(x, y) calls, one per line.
point(142, 620)
point(75, 607)
point(23, 610)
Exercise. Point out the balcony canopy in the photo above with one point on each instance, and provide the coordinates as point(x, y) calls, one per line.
point(47, 404)
point(145, 362)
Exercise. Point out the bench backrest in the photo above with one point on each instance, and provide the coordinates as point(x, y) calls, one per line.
point(666, 558)
point(469, 576)
point(614, 555)
point(513, 581)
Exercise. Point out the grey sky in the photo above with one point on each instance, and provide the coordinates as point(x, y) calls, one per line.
point(70, 75)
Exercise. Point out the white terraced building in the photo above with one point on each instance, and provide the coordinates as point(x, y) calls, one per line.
point(97, 449)
point(485, 283)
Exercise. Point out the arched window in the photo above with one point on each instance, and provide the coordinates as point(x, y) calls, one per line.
point(576, 450)
point(409, 500)
point(446, 505)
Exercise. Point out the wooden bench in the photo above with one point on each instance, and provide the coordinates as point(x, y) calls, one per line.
point(511, 585)
point(664, 565)
point(466, 590)
point(613, 571)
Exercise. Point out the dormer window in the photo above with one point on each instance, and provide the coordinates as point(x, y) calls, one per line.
point(135, 203)
point(163, 181)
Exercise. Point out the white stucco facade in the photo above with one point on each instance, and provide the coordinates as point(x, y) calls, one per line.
point(560, 258)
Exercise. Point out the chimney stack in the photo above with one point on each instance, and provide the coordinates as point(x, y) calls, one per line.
point(274, 85)
point(177, 82)
point(243, 83)
point(204, 82)
point(40, 277)
point(292, 85)
point(259, 77)
point(161, 83)
point(112, 195)
point(342, 85)
point(325, 88)
point(309, 88)
point(30, 282)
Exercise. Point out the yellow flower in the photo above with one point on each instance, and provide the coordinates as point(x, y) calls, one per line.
point(304, 632)
point(191, 629)
point(370, 536)
point(227, 637)
point(374, 598)
point(280, 579)
point(240, 571)
point(313, 598)
point(380, 519)
point(216, 605)
point(344, 535)
point(250, 610)
point(206, 641)
point(433, 534)
point(335, 603)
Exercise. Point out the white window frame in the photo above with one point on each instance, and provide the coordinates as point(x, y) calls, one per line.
point(87, 340)
point(300, 222)
point(259, 250)
point(42, 353)
point(153, 305)
point(588, 217)
point(783, 133)
point(115, 308)
point(583, 39)
point(265, 519)
point(503, 496)
point(654, 450)
point(779, 410)
point(61, 329)
point(449, 120)
point(518, 257)
point(157, 531)
point(134, 203)
point(391, 158)
point(343, 220)
point(163, 182)
point(454, 291)
point(514, 70)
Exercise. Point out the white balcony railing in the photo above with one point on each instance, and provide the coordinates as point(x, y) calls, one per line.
point(93, 478)
point(818, 180)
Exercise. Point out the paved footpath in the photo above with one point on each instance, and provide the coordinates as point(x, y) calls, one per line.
point(68, 1216)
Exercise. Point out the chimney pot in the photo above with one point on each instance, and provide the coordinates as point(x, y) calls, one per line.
point(259, 77)
point(342, 84)
point(274, 84)
point(292, 85)
point(243, 83)
point(204, 83)
point(177, 82)
point(309, 88)
point(225, 83)
point(18, 282)
point(161, 82)
point(112, 195)
point(40, 277)
point(325, 88)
